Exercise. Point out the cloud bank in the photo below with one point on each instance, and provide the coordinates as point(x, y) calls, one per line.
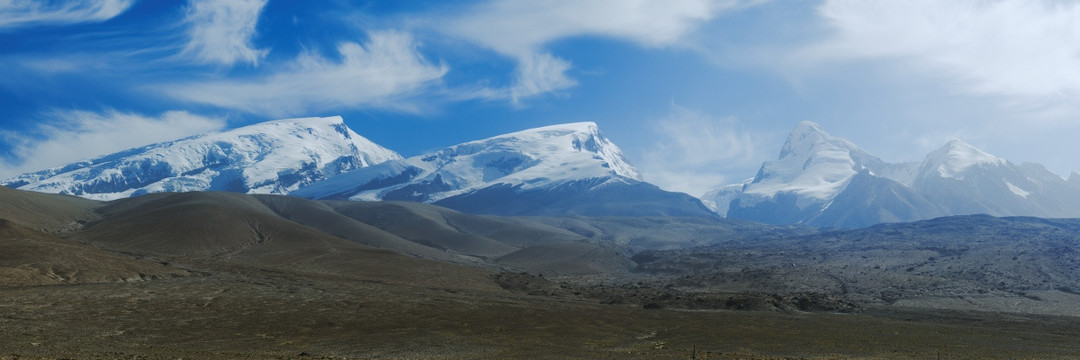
point(385, 72)
point(693, 152)
point(1027, 50)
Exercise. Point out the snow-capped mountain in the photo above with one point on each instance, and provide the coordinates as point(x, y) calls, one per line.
point(719, 198)
point(274, 157)
point(822, 180)
point(966, 180)
point(553, 170)
point(812, 170)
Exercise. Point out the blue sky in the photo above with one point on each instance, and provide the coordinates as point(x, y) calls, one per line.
point(696, 92)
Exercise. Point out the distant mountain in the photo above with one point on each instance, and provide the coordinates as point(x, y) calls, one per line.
point(268, 158)
point(569, 169)
point(821, 180)
point(965, 180)
point(814, 169)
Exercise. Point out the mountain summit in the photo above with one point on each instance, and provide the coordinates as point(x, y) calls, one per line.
point(813, 165)
point(267, 158)
point(552, 170)
point(813, 169)
point(956, 156)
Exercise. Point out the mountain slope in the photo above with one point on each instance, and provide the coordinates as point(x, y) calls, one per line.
point(323, 217)
point(553, 170)
point(869, 200)
point(30, 257)
point(31, 253)
point(283, 232)
point(50, 213)
point(452, 230)
point(267, 158)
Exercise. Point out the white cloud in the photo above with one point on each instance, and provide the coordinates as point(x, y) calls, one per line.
point(20, 13)
point(538, 74)
point(518, 28)
point(220, 31)
point(521, 29)
point(1025, 50)
point(383, 73)
point(69, 136)
point(693, 151)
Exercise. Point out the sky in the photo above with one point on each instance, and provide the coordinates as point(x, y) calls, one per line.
point(697, 93)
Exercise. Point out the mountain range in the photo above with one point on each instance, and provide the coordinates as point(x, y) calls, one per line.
point(825, 181)
point(569, 169)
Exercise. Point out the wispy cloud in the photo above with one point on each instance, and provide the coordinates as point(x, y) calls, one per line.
point(68, 136)
point(221, 31)
point(384, 72)
point(521, 30)
point(538, 74)
point(21, 13)
point(518, 28)
point(693, 152)
point(1025, 50)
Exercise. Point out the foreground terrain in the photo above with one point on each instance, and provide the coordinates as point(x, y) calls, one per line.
point(218, 275)
point(257, 314)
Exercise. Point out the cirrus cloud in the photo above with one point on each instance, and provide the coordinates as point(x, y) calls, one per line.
point(220, 31)
point(22, 13)
point(67, 136)
point(385, 72)
point(521, 30)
